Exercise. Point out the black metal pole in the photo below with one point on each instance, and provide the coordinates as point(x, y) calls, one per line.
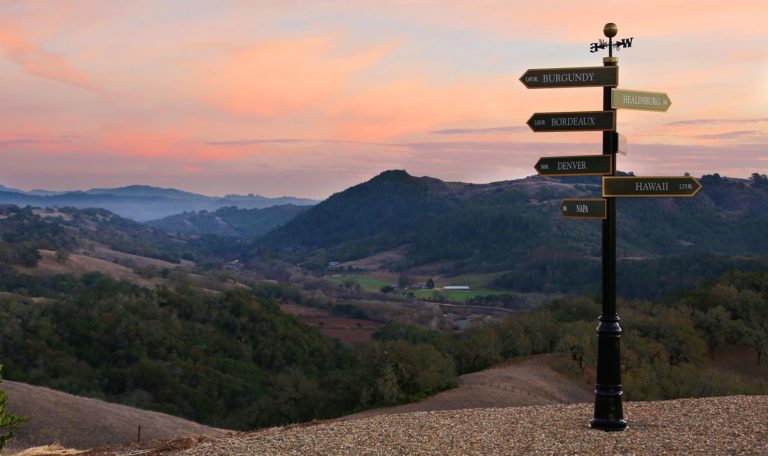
point(609, 414)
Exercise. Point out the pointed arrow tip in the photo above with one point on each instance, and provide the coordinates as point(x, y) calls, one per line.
point(522, 78)
point(530, 122)
point(698, 186)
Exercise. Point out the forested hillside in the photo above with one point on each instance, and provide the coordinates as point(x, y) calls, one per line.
point(227, 356)
point(68, 230)
point(231, 360)
point(497, 226)
point(235, 360)
point(245, 224)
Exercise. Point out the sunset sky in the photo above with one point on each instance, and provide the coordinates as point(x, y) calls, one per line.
point(307, 98)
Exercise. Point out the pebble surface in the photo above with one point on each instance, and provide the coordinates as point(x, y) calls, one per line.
point(711, 426)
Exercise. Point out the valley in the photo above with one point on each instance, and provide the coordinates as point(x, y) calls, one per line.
point(458, 296)
point(355, 228)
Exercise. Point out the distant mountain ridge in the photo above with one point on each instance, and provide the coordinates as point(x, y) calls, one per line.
point(141, 202)
point(230, 221)
point(502, 225)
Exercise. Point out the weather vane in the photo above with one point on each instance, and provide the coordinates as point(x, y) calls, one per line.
point(610, 31)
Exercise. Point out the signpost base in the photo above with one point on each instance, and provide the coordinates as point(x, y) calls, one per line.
point(609, 412)
point(608, 425)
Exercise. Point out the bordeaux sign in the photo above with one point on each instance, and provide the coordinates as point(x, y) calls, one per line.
point(573, 121)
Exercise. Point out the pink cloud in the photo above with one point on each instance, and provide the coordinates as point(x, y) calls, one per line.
point(282, 76)
point(34, 60)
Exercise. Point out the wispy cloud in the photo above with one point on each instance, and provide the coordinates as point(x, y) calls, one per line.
point(740, 134)
point(479, 131)
point(36, 61)
point(249, 142)
point(281, 76)
point(718, 121)
point(29, 141)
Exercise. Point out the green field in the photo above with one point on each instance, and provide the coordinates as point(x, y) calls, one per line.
point(456, 295)
point(367, 283)
point(476, 282)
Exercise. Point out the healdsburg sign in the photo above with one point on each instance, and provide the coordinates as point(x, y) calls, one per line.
point(640, 99)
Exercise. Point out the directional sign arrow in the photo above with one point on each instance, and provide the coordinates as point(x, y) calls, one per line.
point(583, 208)
point(572, 121)
point(640, 99)
point(581, 165)
point(654, 186)
point(545, 78)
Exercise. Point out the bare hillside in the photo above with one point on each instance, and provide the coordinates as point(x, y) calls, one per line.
point(79, 422)
point(80, 264)
point(531, 381)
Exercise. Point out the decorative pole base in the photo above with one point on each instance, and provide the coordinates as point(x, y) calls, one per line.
point(609, 411)
point(608, 425)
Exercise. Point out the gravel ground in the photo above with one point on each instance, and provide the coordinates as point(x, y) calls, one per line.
point(713, 426)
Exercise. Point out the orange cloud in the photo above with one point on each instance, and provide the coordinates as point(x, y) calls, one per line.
point(283, 76)
point(38, 62)
point(416, 105)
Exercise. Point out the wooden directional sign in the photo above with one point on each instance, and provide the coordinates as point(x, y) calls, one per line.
point(656, 186)
point(640, 99)
point(580, 165)
point(573, 121)
point(545, 78)
point(583, 208)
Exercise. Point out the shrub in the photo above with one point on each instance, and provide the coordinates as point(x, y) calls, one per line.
point(8, 421)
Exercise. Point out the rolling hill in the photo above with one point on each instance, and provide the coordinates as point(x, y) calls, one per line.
point(80, 422)
point(141, 202)
point(515, 226)
point(24, 230)
point(246, 224)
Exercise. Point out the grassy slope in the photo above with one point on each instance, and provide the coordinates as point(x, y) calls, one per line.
point(529, 381)
point(79, 422)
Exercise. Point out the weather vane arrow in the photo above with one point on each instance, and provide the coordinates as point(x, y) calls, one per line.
point(610, 31)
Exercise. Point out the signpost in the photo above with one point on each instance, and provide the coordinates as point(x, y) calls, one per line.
point(582, 165)
point(548, 78)
point(640, 99)
point(583, 208)
point(608, 412)
point(654, 186)
point(573, 121)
